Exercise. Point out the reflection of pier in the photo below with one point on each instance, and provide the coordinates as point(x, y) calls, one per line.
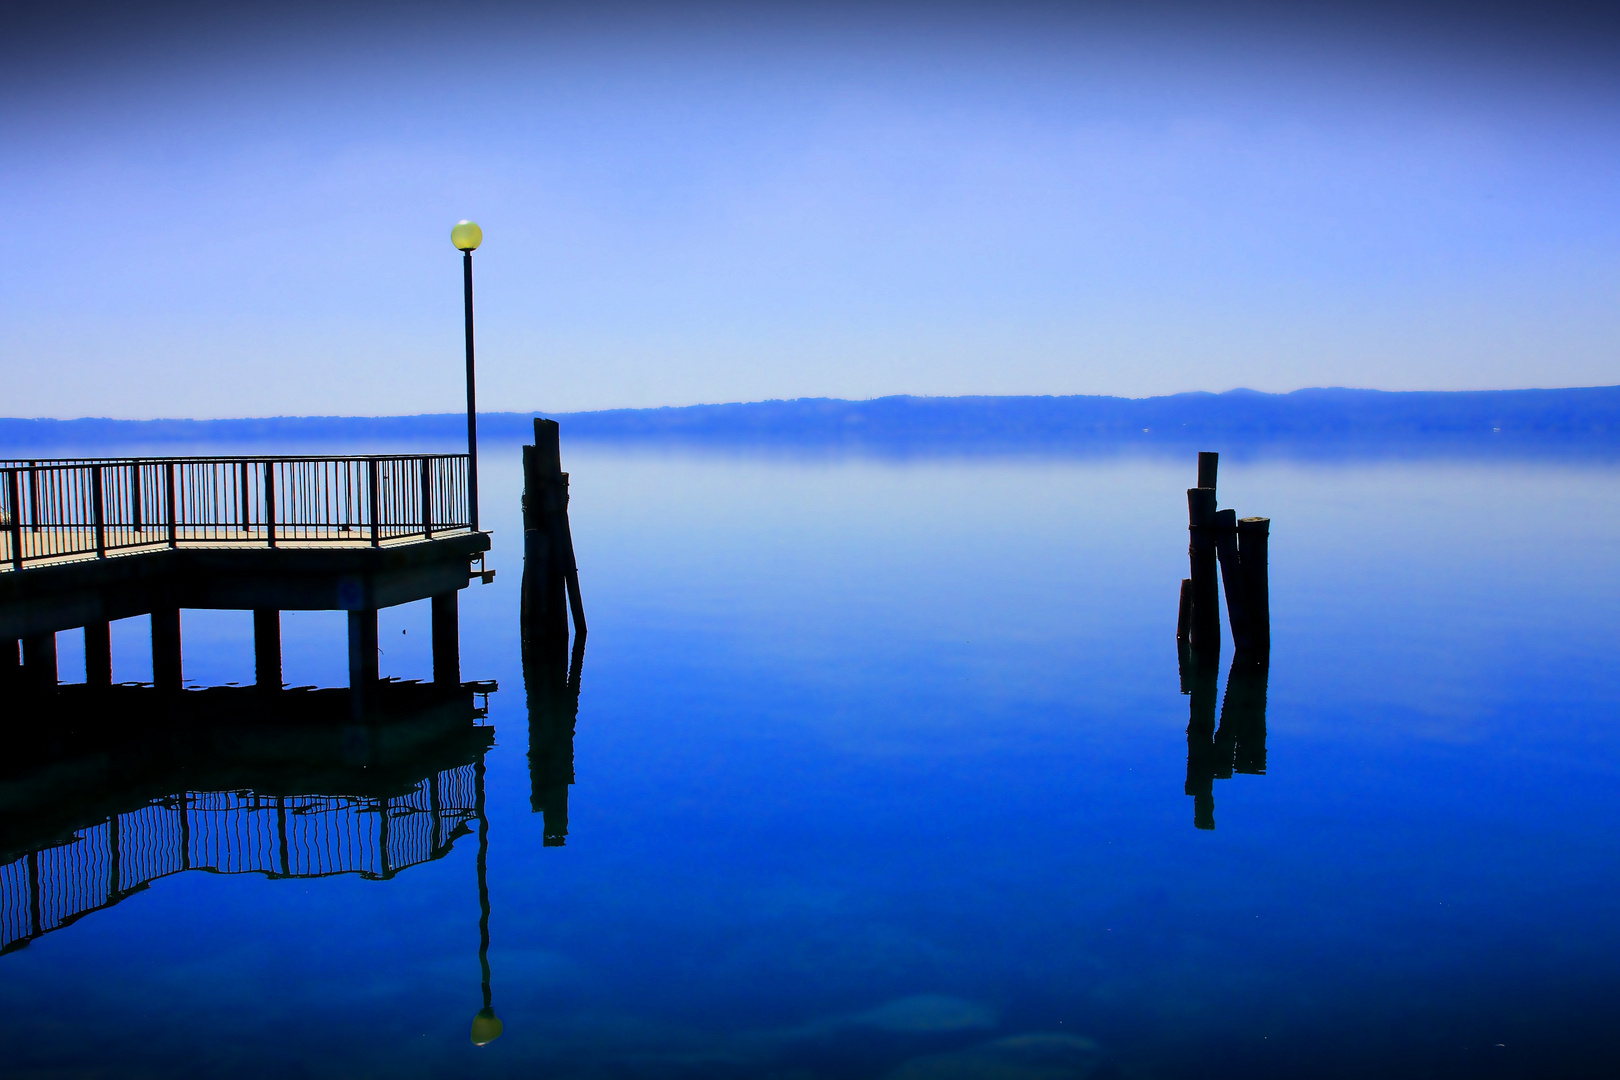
point(84, 542)
point(126, 788)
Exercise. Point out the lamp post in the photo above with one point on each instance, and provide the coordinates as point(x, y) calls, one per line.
point(466, 235)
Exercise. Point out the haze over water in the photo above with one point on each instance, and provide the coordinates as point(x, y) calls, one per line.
point(880, 772)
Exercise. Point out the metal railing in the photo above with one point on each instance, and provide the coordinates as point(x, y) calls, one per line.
point(95, 507)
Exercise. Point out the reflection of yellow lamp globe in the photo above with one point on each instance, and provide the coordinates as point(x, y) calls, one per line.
point(486, 1026)
point(466, 235)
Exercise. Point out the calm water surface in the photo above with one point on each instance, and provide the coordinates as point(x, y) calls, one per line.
point(880, 772)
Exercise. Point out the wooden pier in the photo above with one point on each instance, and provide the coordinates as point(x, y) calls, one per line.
point(84, 542)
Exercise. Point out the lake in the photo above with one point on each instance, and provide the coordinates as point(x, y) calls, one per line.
point(881, 769)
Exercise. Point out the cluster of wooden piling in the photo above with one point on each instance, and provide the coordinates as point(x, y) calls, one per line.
point(551, 670)
point(550, 576)
point(1240, 548)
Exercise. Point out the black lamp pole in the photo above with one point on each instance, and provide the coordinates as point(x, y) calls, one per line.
point(472, 398)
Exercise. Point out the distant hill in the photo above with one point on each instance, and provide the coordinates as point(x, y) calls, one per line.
point(1578, 417)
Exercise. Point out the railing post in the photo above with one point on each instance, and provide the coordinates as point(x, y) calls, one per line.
point(168, 505)
point(375, 501)
point(33, 496)
point(15, 524)
point(427, 495)
point(242, 469)
point(99, 509)
point(136, 516)
point(270, 501)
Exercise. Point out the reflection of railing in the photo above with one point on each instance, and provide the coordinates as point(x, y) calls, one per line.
point(51, 509)
point(232, 833)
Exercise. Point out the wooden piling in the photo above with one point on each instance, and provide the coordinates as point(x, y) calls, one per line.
point(545, 590)
point(1253, 541)
point(551, 577)
point(1226, 547)
point(1184, 614)
point(1208, 464)
point(1206, 614)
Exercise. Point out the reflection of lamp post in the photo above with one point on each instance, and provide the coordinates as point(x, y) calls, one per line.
point(467, 236)
point(486, 1026)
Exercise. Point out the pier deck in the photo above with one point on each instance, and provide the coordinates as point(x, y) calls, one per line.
point(87, 541)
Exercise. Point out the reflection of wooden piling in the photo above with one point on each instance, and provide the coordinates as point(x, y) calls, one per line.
point(1206, 614)
point(1243, 714)
point(551, 680)
point(1201, 741)
point(1253, 539)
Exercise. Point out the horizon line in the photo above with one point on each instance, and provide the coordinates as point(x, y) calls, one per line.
point(1241, 391)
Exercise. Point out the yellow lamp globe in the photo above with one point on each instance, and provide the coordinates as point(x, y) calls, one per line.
point(466, 235)
point(486, 1027)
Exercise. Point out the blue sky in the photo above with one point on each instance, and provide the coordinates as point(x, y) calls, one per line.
point(234, 211)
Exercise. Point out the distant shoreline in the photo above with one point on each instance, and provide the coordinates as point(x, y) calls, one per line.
point(1580, 417)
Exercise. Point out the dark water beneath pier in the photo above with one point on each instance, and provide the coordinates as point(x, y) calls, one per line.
point(880, 772)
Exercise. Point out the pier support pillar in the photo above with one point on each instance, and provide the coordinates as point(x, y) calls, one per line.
point(446, 639)
point(10, 662)
point(39, 661)
point(267, 648)
point(166, 666)
point(98, 653)
point(362, 656)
